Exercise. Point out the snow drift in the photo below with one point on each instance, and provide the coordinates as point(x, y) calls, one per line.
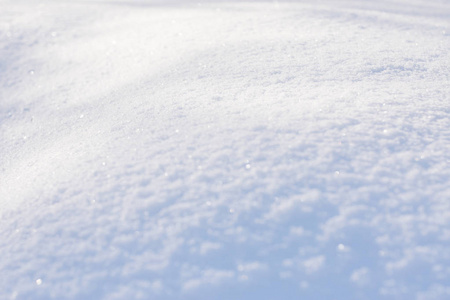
point(224, 149)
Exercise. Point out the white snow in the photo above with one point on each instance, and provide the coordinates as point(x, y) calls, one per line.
point(224, 149)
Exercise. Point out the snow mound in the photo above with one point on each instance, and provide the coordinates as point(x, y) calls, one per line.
point(224, 150)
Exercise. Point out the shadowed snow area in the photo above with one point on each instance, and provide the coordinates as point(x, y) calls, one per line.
point(225, 150)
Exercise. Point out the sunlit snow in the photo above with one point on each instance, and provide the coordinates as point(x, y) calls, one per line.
point(225, 149)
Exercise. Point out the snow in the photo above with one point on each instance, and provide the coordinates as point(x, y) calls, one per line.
point(224, 149)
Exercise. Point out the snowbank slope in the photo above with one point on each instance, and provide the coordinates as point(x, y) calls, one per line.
point(224, 150)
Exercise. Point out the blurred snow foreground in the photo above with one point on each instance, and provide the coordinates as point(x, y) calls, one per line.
point(224, 150)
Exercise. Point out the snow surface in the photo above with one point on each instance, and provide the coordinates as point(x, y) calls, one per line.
point(224, 150)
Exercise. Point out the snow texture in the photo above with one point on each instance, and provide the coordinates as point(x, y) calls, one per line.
point(225, 149)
